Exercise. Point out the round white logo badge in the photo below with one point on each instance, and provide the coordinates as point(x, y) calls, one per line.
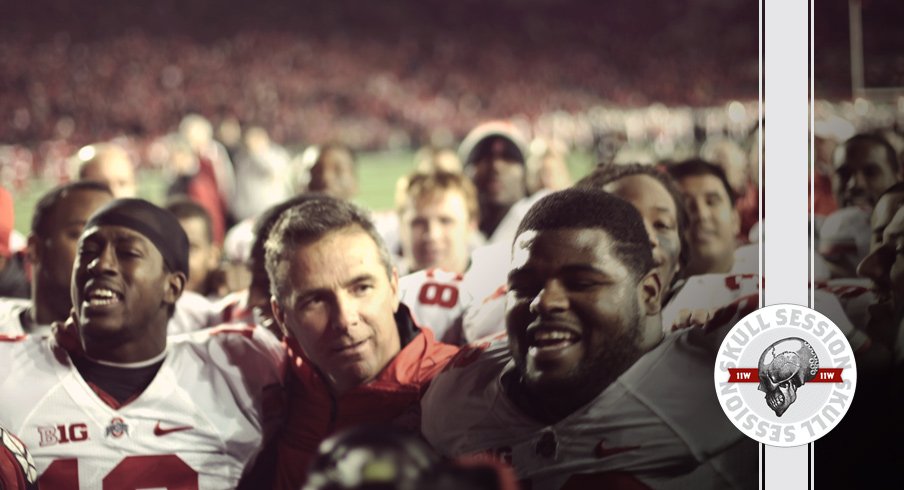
point(785, 375)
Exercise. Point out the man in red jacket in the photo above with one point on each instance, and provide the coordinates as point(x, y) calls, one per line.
point(358, 357)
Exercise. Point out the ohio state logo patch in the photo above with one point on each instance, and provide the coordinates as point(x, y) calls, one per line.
point(785, 375)
point(117, 428)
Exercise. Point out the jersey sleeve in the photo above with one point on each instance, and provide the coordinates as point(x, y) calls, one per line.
point(249, 364)
point(709, 293)
point(461, 396)
point(17, 470)
point(486, 317)
point(256, 362)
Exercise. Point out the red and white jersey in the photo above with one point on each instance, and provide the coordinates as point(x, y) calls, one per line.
point(708, 292)
point(854, 294)
point(199, 424)
point(17, 470)
point(11, 310)
point(485, 318)
point(659, 425)
point(437, 301)
point(843, 301)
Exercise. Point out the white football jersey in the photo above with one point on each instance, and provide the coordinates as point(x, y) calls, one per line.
point(843, 301)
point(199, 424)
point(708, 292)
point(854, 294)
point(436, 300)
point(659, 424)
point(486, 317)
point(10, 319)
point(193, 312)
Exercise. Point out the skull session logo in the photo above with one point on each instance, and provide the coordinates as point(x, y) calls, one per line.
point(785, 375)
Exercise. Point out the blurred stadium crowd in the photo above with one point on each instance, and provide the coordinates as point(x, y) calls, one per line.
point(373, 76)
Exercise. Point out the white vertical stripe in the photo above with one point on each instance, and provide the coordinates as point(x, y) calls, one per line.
point(786, 251)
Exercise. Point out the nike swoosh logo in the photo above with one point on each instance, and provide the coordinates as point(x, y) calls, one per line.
point(604, 452)
point(159, 431)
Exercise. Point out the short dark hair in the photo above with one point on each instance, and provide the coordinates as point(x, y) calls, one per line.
point(595, 209)
point(257, 260)
point(184, 208)
point(695, 167)
point(605, 174)
point(309, 221)
point(40, 220)
point(875, 139)
point(337, 146)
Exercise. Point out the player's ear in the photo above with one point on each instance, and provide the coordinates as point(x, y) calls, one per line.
point(394, 287)
point(279, 315)
point(650, 292)
point(173, 287)
point(33, 249)
point(735, 221)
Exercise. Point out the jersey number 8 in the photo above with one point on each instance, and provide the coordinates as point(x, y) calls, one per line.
point(438, 294)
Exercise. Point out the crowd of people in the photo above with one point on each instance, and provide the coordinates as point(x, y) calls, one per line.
point(344, 71)
point(502, 327)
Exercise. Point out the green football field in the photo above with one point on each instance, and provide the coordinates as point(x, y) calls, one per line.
point(378, 172)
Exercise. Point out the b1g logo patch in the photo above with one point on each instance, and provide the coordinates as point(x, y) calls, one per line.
point(785, 375)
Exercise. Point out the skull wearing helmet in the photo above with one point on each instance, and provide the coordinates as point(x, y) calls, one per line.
point(784, 367)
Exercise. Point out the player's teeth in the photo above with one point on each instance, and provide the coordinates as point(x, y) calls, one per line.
point(554, 335)
point(103, 293)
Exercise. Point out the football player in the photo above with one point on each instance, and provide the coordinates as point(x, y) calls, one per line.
point(438, 217)
point(108, 163)
point(494, 155)
point(111, 401)
point(56, 224)
point(659, 202)
point(714, 221)
point(586, 392)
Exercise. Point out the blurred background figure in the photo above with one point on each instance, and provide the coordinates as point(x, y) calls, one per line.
point(333, 170)
point(58, 219)
point(494, 155)
point(108, 163)
point(828, 133)
point(229, 134)
point(203, 254)
point(211, 177)
point(727, 154)
point(547, 166)
point(438, 217)
point(13, 278)
point(262, 174)
point(713, 220)
point(865, 165)
point(436, 158)
point(661, 205)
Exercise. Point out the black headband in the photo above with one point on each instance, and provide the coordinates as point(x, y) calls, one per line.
point(158, 225)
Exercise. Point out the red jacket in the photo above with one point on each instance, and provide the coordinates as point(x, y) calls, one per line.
point(393, 398)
